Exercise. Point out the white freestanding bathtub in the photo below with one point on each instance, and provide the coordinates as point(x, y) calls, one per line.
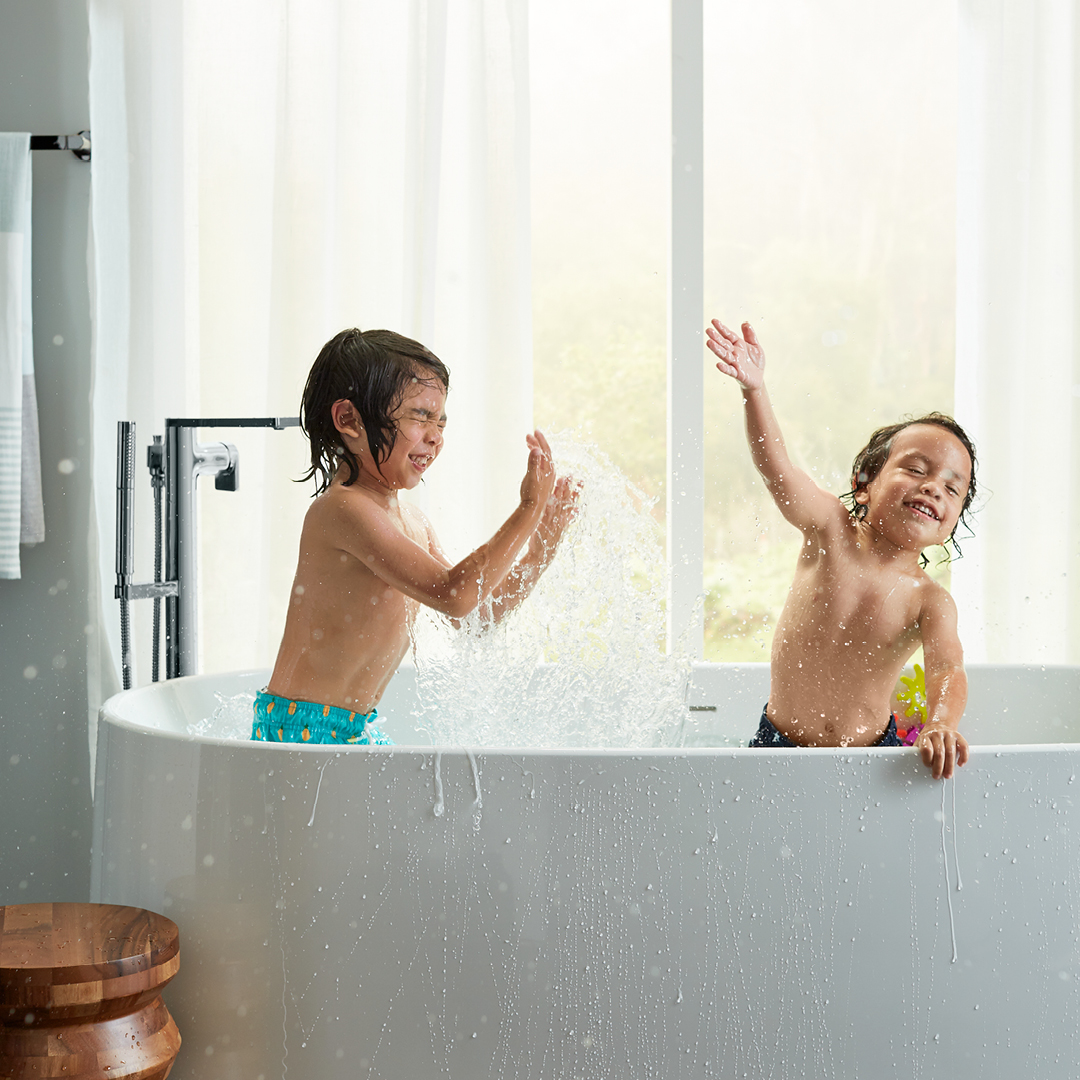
point(403, 913)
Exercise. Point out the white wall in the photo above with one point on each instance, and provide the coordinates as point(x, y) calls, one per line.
point(44, 763)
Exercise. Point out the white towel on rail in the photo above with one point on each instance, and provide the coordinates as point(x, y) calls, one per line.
point(16, 345)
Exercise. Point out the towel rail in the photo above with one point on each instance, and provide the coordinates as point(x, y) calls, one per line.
point(78, 144)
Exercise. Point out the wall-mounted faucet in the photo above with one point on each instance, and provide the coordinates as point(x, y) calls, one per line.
point(175, 462)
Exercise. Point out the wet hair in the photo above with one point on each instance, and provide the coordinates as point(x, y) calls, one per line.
point(372, 369)
point(870, 460)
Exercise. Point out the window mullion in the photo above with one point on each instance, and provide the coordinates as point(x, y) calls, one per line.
point(685, 369)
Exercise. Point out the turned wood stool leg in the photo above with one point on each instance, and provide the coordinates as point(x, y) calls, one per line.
point(80, 992)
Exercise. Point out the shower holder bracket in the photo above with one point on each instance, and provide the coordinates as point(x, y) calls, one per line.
point(175, 461)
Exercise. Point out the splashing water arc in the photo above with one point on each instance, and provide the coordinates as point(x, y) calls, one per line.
point(581, 662)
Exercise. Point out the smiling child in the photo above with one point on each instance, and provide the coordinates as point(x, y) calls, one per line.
point(861, 603)
point(374, 409)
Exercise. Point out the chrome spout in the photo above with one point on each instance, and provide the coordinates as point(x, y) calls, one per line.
point(185, 461)
point(175, 465)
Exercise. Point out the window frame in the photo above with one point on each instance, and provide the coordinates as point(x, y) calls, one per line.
point(685, 320)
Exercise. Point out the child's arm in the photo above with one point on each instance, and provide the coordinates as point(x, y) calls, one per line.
point(519, 582)
point(367, 532)
point(940, 743)
point(797, 496)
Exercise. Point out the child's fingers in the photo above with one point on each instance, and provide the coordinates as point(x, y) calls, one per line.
point(726, 355)
point(542, 442)
point(730, 369)
point(567, 491)
point(932, 753)
point(725, 331)
point(948, 755)
point(961, 750)
point(749, 335)
point(942, 752)
point(718, 348)
point(926, 752)
point(958, 753)
point(538, 448)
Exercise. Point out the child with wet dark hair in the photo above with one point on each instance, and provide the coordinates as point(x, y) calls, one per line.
point(870, 459)
point(861, 602)
point(374, 411)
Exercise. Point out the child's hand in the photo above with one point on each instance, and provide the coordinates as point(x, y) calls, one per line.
point(539, 479)
point(560, 510)
point(740, 357)
point(941, 748)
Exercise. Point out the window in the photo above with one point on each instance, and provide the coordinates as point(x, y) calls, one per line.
point(830, 176)
point(599, 75)
point(828, 222)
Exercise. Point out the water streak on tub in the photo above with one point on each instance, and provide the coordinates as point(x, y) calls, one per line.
point(478, 802)
point(956, 854)
point(439, 806)
point(266, 801)
point(945, 864)
point(284, 1010)
point(318, 788)
point(532, 777)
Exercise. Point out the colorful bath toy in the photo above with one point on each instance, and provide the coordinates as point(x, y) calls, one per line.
point(913, 696)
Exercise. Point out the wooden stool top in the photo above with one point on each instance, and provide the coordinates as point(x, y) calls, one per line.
point(64, 959)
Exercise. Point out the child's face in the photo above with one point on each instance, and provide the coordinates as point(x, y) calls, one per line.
point(420, 420)
point(917, 498)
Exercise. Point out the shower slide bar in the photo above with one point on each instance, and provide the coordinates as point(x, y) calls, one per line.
point(175, 461)
point(79, 144)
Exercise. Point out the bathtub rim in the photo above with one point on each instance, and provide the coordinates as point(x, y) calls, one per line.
point(107, 713)
point(109, 716)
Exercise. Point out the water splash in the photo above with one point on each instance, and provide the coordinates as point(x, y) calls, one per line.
point(231, 719)
point(581, 661)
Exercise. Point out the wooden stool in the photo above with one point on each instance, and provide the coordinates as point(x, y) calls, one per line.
point(80, 992)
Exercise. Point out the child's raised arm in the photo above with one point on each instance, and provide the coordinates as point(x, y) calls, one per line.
point(561, 509)
point(797, 496)
point(367, 532)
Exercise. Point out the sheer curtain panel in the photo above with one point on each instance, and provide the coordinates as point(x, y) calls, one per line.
point(265, 174)
point(1017, 373)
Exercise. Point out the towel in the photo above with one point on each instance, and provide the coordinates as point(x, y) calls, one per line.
point(21, 516)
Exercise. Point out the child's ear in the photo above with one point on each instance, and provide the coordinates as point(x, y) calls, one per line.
point(862, 494)
point(346, 418)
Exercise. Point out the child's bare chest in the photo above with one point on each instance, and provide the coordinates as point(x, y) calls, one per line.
point(850, 603)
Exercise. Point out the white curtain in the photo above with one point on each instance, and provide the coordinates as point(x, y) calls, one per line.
point(1017, 371)
point(266, 174)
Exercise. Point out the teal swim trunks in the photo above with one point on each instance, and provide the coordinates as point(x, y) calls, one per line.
point(278, 719)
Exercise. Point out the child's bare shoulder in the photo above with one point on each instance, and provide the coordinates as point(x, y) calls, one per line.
point(415, 519)
point(832, 520)
point(934, 595)
point(937, 612)
point(342, 511)
point(419, 528)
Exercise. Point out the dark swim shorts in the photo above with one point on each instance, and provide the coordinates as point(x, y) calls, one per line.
point(767, 735)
